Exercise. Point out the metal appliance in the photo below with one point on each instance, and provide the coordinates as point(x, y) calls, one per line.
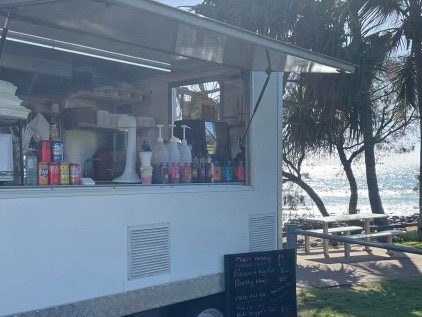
point(6, 157)
point(208, 138)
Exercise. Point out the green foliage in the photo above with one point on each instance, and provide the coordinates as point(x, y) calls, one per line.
point(410, 236)
point(292, 201)
point(409, 239)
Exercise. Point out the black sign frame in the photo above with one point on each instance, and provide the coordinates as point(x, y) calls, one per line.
point(261, 284)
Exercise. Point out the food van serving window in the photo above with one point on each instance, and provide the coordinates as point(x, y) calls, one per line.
point(212, 112)
point(92, 121)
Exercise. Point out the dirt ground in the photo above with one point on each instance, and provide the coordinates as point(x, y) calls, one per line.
point(314, 270)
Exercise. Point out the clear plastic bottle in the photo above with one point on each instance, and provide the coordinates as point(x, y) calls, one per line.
point(30, 167)
point(185, 159)
point(209, 173)
point(160, 160)
point(174, 158)
point(54, 134)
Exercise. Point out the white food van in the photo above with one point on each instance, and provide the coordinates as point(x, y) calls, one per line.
point(115, 248)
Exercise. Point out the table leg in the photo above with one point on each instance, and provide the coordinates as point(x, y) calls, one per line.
point(325, 241)
point(307, 246)
point(390, 241)
point(347, 246)
point(367, 231)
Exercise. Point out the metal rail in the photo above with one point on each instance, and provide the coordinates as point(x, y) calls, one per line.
point(292, 231)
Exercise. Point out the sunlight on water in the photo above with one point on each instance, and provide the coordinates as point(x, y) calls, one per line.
point(396, 183)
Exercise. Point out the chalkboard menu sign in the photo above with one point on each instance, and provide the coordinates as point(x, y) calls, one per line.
point(261, 284)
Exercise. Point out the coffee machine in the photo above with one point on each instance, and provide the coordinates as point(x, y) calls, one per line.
point(208, 138)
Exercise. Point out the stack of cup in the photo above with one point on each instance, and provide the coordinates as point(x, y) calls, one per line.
point(146, 168)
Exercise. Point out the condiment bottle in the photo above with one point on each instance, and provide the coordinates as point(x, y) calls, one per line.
point(174, 158)
point(185, 158)
point(159, 160)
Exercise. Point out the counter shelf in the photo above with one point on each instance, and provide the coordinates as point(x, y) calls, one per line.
point(106, 128)
point(116, 99)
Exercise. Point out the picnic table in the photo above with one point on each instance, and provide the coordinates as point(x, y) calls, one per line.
point(325, 221)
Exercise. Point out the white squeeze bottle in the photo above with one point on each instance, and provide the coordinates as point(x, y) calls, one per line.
point(185, 158)
point(174, 158)
point(160, 160)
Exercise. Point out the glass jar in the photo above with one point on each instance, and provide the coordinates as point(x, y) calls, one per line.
point(30, 167)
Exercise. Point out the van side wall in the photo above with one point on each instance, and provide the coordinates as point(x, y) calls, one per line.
point(68, 245)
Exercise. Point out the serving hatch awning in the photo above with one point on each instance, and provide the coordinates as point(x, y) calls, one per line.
point(148, 33)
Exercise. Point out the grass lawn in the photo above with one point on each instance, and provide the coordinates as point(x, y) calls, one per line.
point(394, 298)
point(413, 244)
point(401, 298)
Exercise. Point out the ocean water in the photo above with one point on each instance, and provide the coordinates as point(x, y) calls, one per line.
point(396, 182)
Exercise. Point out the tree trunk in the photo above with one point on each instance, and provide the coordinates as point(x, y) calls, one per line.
point(370, 165)
point(311, 193)
point(415, 13)
point(347, 166)
point(365, 111)
point(420, 177)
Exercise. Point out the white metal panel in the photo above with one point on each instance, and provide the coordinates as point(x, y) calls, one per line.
point(64, 249)
point(279, 101)
point(264, 140)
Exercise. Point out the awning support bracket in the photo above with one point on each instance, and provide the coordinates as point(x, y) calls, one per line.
point(261, 94)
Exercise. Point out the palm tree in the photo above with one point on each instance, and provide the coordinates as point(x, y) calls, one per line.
point(351, 94)
point(405, 18)
point(369, 53)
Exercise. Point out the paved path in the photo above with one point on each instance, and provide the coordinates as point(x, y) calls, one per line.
point(314, 270)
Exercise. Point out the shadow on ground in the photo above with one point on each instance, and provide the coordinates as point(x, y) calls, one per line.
point(314, 270)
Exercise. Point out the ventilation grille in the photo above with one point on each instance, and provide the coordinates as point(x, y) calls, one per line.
point(262, 233)
point(148, 250)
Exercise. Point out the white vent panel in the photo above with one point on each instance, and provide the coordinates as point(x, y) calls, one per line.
point(262, 232)
point(148, 250)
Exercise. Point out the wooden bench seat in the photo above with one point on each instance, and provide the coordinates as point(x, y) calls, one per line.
point(339, 229)
point(387, 233)
point(345, 229)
